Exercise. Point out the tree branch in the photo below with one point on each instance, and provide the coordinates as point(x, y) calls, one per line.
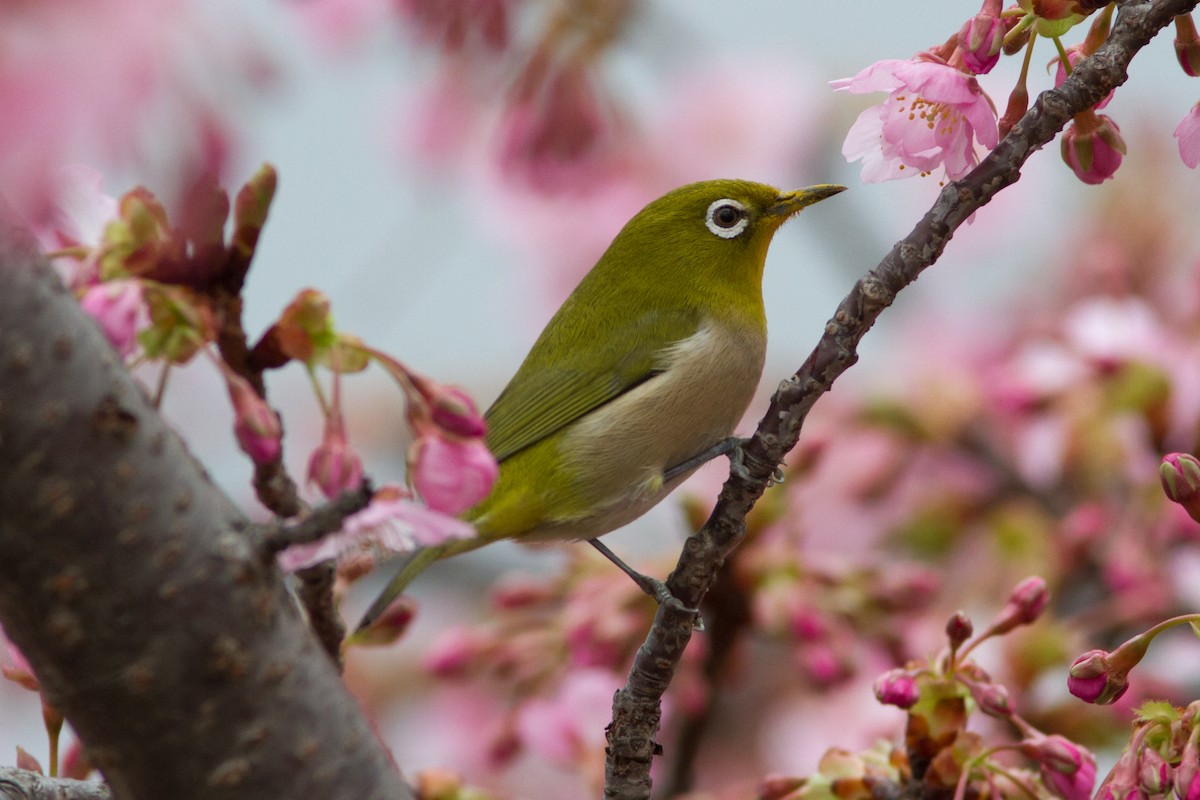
point(20, 784)
point(126, 579)
point(636, 707)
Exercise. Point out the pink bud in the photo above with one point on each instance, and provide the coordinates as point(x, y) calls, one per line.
point(1067, 769)
point(1154, 773)
point(958, 629)
point(1092, 679)
point(117, 306)
point(982, 38)
point(451, 475)
point(992, 698)
point(257, 427)
point(1180, 476)
point(334, 467)
point(1187, 45)
point(1028, 599)
point(454, 411)
point(1187, 787)
point(1092, 147)
point(897, 687)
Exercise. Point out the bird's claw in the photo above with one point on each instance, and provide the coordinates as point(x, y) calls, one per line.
point(737, 462)
point(660, 592)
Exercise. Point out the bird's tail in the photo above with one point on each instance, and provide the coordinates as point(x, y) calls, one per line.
point(412, 566)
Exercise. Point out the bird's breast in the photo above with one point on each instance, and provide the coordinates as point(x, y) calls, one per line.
point(703, 389)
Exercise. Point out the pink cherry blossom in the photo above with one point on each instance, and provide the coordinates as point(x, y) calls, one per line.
point(118, 307)
point(391, 524)
point(451, 475)
point(933, 118)
point(1188, 134)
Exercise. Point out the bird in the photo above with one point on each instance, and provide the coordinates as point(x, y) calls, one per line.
point(637, 379)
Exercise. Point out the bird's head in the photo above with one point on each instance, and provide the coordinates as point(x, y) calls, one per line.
point(710, 233)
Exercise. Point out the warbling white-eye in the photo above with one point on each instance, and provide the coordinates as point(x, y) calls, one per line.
point(638, 378)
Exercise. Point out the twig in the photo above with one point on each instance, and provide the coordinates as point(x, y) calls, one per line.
point(315, 589)
point(321, 521)
point(20, 784)
point(636, 707)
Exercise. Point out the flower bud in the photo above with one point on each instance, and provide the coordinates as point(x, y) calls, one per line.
point(1067, 769)
point(454, 411)
point(1154, 773)
point(451, 475)
point(1187, 45)
point(958, 629)
point(1092, 679)
point(1092, 147)
point(1187, 774)
point(992, 698)
point(1018, 104)
point(982, 37)
point(334, 467)
point(1180, 476)
point(257, 427)
point(897, 687)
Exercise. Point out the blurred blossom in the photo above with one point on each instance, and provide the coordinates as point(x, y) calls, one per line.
point(118, 307)
point(556, 138)
point(339, 25)
point(334, 467)
point(570, 724)
point(67, 100)
point(1188, 134)
point(77, 219)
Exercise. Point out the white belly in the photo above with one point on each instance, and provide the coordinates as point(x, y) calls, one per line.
point(703, 391)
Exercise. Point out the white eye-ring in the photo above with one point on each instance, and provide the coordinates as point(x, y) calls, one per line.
point(726, 218)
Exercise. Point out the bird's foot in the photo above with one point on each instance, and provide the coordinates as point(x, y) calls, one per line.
point(737, 461)
point(651, 586)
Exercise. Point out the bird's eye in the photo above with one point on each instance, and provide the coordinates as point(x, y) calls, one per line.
point(726, 218)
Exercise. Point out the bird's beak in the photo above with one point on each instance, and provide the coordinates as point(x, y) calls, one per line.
point(791, 202)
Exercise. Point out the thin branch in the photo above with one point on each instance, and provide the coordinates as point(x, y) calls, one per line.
point(20, 784)
point(319, 522)
point(637, 706)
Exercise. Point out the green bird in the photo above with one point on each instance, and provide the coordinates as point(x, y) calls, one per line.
point(638, 379)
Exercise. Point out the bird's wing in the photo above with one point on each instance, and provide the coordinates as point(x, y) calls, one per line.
point(593, 369)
